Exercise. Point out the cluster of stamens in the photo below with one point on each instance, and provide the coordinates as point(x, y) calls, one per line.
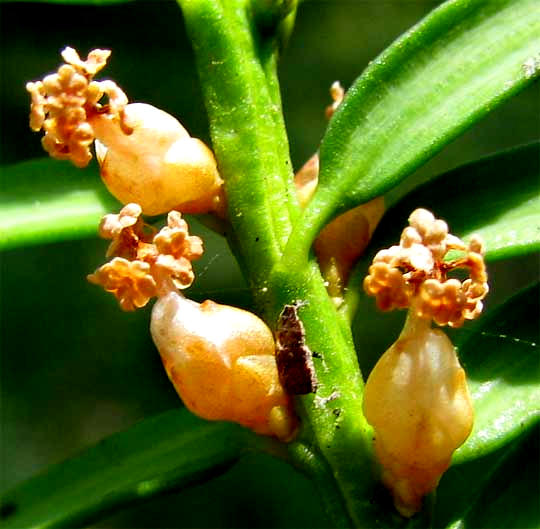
point(145, 263)
point(415, 273)
point(63, 104)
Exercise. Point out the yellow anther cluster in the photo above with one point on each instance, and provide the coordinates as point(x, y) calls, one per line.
point(126, 231)
point(95, 61)
point(130, 282)
point(145, 263)
point(173, 239)
point(63, 104)
point(415, 273)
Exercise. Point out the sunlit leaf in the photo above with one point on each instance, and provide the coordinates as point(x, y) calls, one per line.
point(438, 79)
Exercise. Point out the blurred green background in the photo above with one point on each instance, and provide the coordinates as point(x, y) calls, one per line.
point(74, 368)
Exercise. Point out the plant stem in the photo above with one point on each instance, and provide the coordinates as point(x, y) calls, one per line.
point(237, 68)
point(246, 127)
point(332, 417)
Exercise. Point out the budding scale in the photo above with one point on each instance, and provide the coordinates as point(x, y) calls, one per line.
point(416, 397)
point(417, 401)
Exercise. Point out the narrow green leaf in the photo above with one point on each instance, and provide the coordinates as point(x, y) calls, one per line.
point(169, 451)
point(497, 198)
point(48, 200)
point(501, 359)
point(434, 82)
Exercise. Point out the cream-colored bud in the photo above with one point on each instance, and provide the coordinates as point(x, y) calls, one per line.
point(222, 363)
point(417, 401)
point(306, 180)
point(158, 165)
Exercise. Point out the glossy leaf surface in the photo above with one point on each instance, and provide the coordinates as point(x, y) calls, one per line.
point(438, 79)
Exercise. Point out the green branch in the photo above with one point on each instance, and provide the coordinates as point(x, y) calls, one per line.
point(237, 70)
point(237, 73)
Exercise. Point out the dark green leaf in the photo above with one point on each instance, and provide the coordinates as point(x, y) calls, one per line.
point(47, 200)
point(438, 79)
point(168, 451)
point(497, 198)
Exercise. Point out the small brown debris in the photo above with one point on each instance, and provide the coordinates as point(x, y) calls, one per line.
point(293, 357)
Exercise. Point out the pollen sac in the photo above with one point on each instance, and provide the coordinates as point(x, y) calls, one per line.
point(417, 401)
point(63, 104)
point(222, 363)
point(415, 273)
point(145, 263)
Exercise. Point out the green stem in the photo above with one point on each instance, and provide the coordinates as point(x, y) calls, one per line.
point(332, 418)
point(247, 131)
point(238, 72)
point(269, 61)
point(169, 451)
point(316, 468)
